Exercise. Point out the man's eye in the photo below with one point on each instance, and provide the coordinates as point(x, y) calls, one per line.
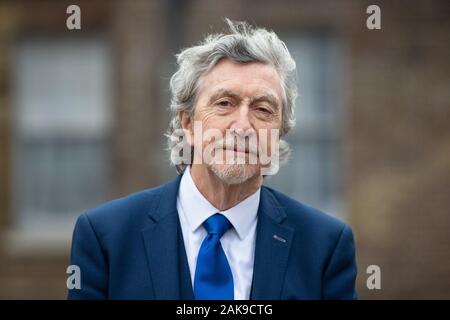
point(224, 103)
point(264, 110)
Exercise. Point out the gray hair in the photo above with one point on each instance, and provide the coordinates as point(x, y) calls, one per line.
point(244, 44)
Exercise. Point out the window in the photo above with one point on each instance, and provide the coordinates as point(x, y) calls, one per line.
point(61, 121)
point(313, 174)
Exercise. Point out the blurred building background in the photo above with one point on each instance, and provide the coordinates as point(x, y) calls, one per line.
point(83, 112)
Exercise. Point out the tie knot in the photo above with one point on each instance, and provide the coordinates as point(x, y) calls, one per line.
point(217, 224)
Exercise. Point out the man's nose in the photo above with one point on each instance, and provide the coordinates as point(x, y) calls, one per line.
point(242, 122)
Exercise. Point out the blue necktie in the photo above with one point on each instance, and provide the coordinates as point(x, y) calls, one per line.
point(213, 277)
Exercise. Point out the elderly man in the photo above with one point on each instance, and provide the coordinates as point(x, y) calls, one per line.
point(215, 232)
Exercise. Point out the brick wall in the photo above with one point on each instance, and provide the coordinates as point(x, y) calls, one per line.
point(397, 149)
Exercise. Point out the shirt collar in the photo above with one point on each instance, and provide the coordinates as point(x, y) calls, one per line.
point(196, 208)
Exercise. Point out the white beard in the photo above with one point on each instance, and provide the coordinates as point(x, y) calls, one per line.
point(234, 173)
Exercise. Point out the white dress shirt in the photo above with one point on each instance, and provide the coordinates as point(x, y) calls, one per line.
point(238, 242)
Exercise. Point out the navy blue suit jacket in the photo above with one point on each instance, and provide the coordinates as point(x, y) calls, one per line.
point(132, 248)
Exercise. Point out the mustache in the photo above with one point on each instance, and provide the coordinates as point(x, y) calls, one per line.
point(237, 145)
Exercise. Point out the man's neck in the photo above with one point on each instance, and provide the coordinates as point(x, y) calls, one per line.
point(221, 195)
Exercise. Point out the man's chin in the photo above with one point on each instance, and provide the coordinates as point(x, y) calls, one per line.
point(235, 173)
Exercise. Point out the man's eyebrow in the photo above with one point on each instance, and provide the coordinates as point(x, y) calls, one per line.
point(223, 93)
point(270, 98)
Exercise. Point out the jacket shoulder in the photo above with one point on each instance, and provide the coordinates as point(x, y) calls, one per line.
point(300, 215)
point(120, 212)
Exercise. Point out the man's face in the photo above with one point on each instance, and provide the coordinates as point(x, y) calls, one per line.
point(237, 100)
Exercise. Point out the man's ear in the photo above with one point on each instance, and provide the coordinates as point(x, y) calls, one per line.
point(186, 125)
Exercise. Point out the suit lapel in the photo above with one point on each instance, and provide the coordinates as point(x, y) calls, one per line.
point(161, 240)
point(273, 244)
